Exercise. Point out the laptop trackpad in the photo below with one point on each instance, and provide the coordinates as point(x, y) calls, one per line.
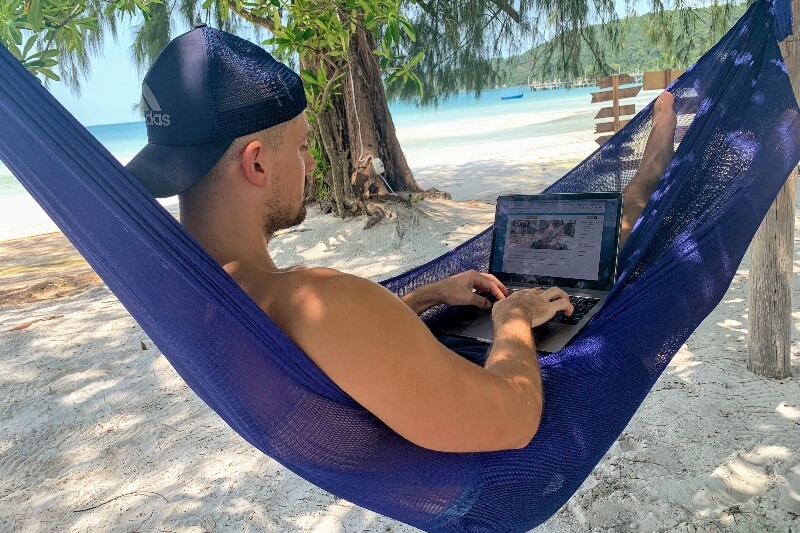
point(478, 326)
point(552, 336)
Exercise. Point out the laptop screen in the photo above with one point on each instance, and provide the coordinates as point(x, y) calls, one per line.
point(569, 240)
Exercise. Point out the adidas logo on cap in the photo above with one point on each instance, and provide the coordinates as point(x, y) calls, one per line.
point(153, 116)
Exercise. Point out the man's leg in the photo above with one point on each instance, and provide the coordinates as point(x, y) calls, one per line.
point(657, 154)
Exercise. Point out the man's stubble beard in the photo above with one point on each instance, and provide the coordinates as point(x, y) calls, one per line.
point(277, 219)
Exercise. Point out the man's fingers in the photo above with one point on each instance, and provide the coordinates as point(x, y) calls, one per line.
point(479, 301)
point(555, 293)
point(562, 304)
point(489, 283)
point(497, 282)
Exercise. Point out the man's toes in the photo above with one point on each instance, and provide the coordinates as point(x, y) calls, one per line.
point(665, 104)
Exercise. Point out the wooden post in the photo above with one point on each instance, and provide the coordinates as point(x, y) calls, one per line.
point(771, 254)
point(615, 92)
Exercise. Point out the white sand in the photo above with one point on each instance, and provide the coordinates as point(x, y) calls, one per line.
point(99, 433)
point(510, 167)
point(485, 170)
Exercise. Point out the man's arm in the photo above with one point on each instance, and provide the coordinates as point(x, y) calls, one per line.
point(378, 351)
point(456, 290)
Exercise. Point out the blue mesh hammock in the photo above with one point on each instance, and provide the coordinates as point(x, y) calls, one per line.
point(737, 120)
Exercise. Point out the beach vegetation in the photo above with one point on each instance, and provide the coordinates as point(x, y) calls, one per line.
point(663, 39)
point(56, 39)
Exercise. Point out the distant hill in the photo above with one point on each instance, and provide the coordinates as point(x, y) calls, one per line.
point(636, 51)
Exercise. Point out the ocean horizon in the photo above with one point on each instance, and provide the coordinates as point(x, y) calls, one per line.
point(460, 121)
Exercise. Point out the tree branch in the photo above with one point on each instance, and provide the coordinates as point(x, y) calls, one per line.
point(427, 8)
point(75, 12)
point(508, 9)
point(258, 20)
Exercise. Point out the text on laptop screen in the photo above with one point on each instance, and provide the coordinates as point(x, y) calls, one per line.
point(566, 242)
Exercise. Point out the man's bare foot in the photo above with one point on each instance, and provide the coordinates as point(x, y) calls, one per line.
point(658, 152)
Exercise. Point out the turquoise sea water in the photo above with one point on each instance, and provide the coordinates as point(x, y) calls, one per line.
point(17, 210)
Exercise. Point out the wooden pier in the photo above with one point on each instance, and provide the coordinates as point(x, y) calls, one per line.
point(550, 85)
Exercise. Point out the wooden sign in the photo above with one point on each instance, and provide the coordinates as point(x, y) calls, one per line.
point(659, 79)
point(608, 81)
point(608, 112)
point(615, 111)
point(605, 96)
point(604, 127)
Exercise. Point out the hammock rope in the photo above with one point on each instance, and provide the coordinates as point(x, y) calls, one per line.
point(739, 133)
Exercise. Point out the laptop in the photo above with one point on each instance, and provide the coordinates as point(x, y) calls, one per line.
point(545, 240)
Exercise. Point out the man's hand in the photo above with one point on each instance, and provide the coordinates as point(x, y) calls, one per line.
point(456, 290)
point(534, 306)
point(460, 289)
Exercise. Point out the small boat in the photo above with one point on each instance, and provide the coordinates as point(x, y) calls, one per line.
point(511, 96)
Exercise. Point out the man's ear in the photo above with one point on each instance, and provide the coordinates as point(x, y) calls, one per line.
point(254, 163)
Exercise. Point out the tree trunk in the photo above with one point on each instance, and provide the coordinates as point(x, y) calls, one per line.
point(769, 343)
point(370, 124)
point(770, 314)
point(356, 129)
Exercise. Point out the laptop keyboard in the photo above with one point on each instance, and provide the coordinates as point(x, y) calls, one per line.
point(582, 305)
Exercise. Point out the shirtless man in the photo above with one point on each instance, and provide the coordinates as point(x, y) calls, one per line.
point(235, 149)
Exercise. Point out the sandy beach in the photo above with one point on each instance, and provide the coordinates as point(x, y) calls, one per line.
point(98, 433)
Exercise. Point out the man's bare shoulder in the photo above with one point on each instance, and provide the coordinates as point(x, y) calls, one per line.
point(296, 299)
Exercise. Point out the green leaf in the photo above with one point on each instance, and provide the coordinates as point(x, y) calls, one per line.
point(409, 29)
point(16, 53)
point(322, 78)
point(49, 73)
point(416, 59)
point(16, 35)
point(35, 14)
point(29, 44)
point(387, 39)
point(417, 82)
point(308, 77)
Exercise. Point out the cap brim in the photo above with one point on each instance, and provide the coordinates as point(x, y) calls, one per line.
point(169, 170)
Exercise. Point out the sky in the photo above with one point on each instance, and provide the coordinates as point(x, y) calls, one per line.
point(112, 90)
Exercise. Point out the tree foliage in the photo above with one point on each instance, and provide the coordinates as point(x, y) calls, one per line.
point(634, 49)
point(45, 34)
point(463, 42)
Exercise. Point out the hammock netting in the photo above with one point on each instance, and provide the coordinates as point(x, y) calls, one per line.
point(738, 133)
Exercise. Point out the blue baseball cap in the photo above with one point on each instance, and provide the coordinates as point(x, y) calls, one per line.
point(205, 89)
